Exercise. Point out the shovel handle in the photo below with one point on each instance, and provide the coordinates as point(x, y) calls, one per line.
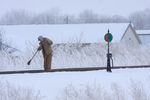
point(32, 58)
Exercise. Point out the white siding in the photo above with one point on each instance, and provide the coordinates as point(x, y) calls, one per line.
point(130, 38)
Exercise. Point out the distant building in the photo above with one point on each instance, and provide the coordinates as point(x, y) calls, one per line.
point(144, 36)
point(130, 37)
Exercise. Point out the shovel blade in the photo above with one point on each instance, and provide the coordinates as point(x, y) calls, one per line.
point(29, 62)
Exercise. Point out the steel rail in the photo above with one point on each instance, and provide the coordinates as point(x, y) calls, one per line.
point(71, 69)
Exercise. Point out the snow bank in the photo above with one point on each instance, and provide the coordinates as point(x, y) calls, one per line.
point(121, 83)
point(78, 55)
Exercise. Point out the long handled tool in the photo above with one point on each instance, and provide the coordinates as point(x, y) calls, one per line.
point(32, 58)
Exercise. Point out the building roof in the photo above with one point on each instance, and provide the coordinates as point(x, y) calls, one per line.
point(144, 36)
point(143, 32)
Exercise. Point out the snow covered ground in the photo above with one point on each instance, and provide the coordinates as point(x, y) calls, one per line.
point(118, 85)
point(78, 55)
point(20, 36)
point(91, 54)
point(121, 84)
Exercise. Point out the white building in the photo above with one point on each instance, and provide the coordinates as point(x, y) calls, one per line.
point(144, 36)
point(130, 37)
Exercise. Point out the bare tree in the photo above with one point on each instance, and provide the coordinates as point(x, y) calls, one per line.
point(119, 19)
point(137, 19)
point(146, 19)
point(88, 16)
point(49, 17)
point(16, 17)
point(140, 19)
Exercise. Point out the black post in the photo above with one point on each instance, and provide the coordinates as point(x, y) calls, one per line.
point(108, 57)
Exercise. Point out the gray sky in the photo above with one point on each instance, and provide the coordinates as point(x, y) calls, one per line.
point(104, 7)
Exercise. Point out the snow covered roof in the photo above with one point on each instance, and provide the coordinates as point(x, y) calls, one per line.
point(143, 32)
point(64, 33)
point(144, 36)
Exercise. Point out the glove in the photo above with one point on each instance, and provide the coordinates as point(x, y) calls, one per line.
point(39, 48)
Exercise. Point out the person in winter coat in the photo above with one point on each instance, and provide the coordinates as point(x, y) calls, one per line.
point(45, 46)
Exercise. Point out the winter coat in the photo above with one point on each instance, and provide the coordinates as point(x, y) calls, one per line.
point(45, 46)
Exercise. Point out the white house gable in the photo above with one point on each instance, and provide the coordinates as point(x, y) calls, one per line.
point(130, 37)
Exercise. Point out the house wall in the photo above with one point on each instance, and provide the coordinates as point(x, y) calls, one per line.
point(130, 38)
point(145, 39)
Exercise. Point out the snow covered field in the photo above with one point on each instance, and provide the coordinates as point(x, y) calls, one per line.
point(91, 54)
point(121, 84)
point(21, 36)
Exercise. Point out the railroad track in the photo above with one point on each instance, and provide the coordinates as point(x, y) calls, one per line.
point(71, 69)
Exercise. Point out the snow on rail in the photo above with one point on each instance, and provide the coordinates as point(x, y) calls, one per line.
point(71, 69)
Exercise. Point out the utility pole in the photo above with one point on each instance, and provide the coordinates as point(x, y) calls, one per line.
point(67, 20)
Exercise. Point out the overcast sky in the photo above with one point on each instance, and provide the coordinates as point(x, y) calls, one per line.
point(104, 7)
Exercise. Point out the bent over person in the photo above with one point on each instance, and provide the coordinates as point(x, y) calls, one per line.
point(45, 46)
